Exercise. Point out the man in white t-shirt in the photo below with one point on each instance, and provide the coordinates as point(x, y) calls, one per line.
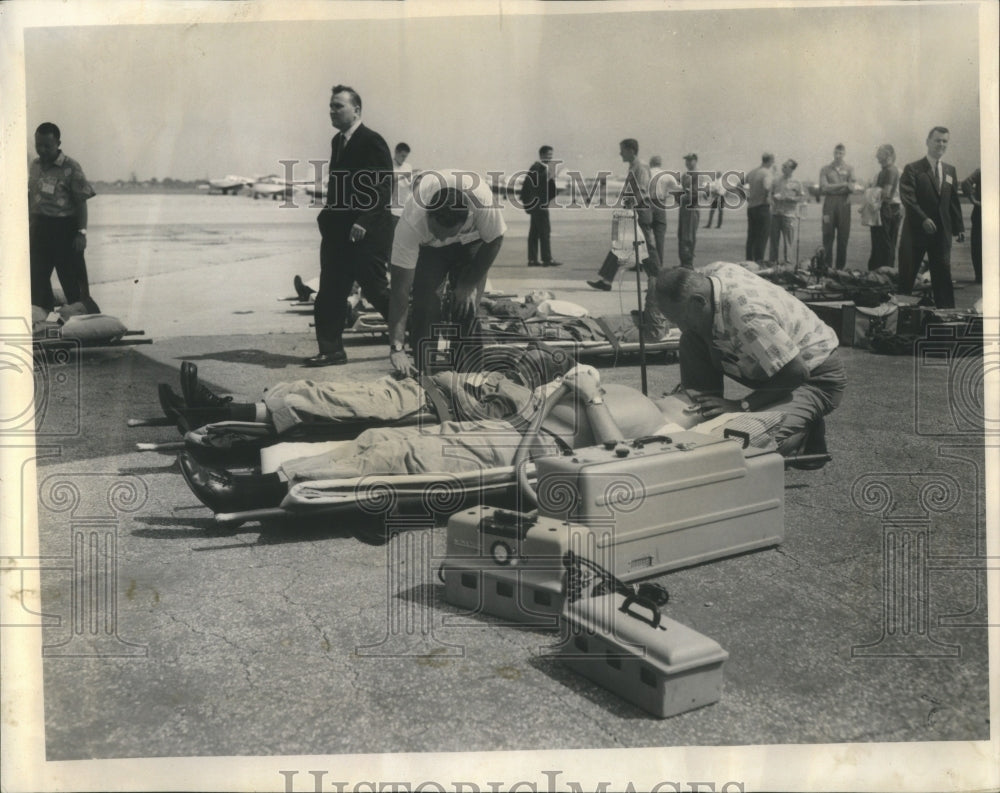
point(448, 237)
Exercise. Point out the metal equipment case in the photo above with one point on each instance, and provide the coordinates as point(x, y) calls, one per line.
point(626, 646)
point(662, 503)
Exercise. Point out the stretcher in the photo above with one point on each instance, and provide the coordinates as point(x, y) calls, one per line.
point(84, 331)
point(439, 495)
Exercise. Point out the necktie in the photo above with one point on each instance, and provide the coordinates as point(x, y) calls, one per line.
point(937, 174)
point(339, 148)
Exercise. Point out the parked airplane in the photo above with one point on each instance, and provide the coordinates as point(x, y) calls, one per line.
point(229, 184)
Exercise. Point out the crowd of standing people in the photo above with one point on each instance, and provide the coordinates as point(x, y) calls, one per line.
point(443, 245)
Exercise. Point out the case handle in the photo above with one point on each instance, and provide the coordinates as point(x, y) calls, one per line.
point(743, 436)
point(638, 600)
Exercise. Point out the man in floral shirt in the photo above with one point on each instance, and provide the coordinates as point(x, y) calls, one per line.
point(57, 220)
point(735, 324)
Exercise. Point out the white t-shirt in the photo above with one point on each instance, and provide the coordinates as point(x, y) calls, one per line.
point(485, 221)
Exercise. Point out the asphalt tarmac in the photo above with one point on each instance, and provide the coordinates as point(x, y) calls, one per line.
point(865, 625)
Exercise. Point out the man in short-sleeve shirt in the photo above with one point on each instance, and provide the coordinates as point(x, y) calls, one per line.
point(735, 324)
point(57, 220)
point(836, 183)
point(449, 235)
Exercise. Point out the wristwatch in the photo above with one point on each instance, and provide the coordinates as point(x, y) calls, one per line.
point(396, 347)
point(744, 406)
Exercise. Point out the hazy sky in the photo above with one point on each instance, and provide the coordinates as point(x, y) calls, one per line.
point(483, 92)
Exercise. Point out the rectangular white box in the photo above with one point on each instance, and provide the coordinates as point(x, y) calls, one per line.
point(626, 646)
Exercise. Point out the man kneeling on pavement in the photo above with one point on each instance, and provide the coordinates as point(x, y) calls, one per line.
point(735, 324)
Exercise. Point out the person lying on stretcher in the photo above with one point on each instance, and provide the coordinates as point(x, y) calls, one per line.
point(481, 441)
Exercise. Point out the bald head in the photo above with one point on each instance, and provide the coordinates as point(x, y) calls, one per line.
point(685, 298)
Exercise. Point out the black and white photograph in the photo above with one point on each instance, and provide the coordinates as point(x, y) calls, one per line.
point(499, 396)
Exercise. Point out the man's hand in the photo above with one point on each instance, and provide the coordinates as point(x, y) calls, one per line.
point(928, 226)
point(402, 366)
point(357, 233)
point(712, 406)
point(80, 243)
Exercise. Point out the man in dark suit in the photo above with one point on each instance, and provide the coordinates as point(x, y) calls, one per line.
point(356, 226)
point(928, 189)
point(537, 191)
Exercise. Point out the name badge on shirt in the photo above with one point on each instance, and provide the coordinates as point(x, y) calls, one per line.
point(48, 187)
point(947, 178)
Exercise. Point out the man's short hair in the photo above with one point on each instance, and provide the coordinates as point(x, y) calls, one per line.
point(676, 284)
point(791, 163)
point(767, 158)
point(630, 143)
point(942, 130)
point(403, 147)
point(840, 147)
point(448, 207)
point(543, 149)
point(886, 148)
point(48, 128)
point(655, 161)
point(346, 89)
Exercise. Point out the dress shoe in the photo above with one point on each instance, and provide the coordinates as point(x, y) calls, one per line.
point(171, 402)
point(534, 264)
point(604, 286)
point(326, 359)
point(552, 264)
point(198, 395)
point(303, 292)
point(224, 491)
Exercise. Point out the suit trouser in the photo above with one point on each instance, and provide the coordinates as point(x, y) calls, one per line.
point(688, 221)
point(915, 244)
point(51, 247)
point(976, 242)
point(342, 263)
point(822, 392)
point(539, 235)
point(651, 264)
point(758, 229)
point(836, 222)
point(782, 228)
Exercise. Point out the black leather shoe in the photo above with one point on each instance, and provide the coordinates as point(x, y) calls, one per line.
point(303, 292)
point(171, 403)
point(327, 359)
point(602, 285)
point(534, 264)
point(223, 491)
point(552, 264)
point(198, 395)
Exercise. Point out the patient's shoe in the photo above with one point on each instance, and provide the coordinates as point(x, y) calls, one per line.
point(303, 292)
point(223, 491)
point(170, 402)
point(198, 395)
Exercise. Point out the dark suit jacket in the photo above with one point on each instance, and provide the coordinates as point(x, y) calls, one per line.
point(538, 189)
point(923, 200)
point(360, 185)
